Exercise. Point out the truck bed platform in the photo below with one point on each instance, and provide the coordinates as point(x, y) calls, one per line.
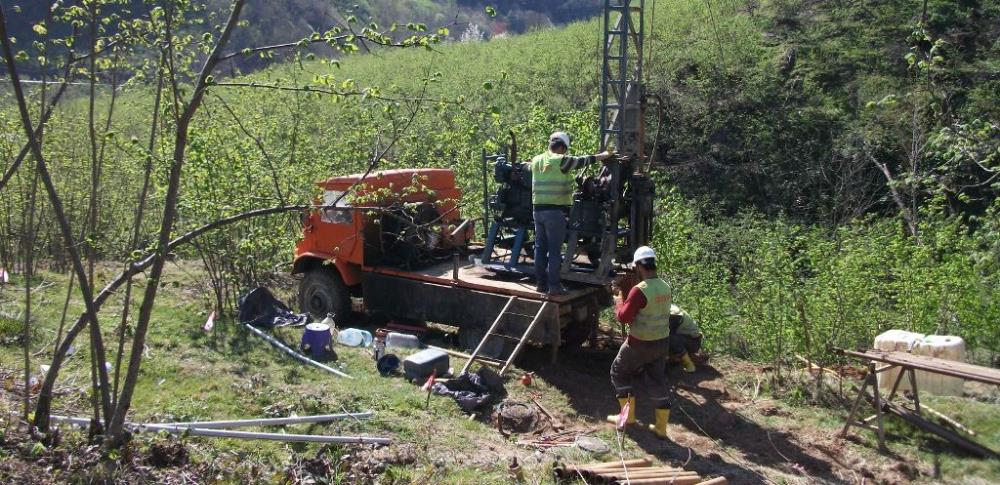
point(479, 278)
point(474, 299)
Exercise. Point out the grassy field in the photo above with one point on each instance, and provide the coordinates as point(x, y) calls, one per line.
point(731, 418)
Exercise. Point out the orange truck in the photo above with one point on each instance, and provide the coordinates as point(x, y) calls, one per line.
point(396, 242)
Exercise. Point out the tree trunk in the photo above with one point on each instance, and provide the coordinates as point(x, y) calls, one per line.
point(137, 224)
point(57, 206)
point(116, 428)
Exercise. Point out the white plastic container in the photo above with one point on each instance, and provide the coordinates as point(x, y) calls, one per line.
point(941, 346)
point(353, 337)
point(899, 341)
point(948, 347)
point(402, 341)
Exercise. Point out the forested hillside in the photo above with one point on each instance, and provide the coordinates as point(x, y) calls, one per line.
point(279, 21)
point(825, 171)
point(823, 166)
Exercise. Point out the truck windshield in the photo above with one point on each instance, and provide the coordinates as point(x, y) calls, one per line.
point(339, 214)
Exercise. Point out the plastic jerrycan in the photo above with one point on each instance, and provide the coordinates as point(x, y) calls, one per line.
point(353, 337)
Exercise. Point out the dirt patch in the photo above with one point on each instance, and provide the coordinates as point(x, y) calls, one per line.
point(722, 424)
point(374, 461)
point(772, 410)
point(168, 453)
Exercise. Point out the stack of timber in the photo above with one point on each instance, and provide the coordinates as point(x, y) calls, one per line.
point(640, 471)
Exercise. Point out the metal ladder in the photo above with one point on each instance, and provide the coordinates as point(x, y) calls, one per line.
point(492, 333)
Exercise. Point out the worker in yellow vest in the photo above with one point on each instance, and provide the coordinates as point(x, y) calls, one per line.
point(685, 337)
point(552, 184)
point(646, 310)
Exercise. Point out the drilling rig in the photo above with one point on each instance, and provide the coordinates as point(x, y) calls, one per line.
point(612, 211)
point(395, 249)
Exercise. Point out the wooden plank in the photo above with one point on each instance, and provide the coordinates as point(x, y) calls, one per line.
point(949, 435)
point(480, 279)
point(913, 386)
point(715, 481)
point(878, 410)
point(932, 364)
point(857, 405)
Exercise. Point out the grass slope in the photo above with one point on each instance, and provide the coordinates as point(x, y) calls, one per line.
point(719, 425)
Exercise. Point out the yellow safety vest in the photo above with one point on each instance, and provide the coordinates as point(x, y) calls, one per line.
point(549, 185)
point(653, 321)
point(688, 326)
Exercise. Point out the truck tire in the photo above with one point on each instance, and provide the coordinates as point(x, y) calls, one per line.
point(323, 292)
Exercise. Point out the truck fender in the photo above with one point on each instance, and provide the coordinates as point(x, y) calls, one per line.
point(349, 273)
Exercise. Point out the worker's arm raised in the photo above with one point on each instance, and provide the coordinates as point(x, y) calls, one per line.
point(625, 311)
point(570, 163)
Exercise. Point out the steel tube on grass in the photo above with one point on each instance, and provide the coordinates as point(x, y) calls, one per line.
point(297, 356)
point(239, 423)
point(217, 433)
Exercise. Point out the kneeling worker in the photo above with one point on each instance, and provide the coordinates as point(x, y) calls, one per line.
point(685, 337)
point(646, 310)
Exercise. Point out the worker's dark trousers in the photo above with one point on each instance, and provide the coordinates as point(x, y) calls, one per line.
point(550, 232)
point(681, 344)
point(638, 357)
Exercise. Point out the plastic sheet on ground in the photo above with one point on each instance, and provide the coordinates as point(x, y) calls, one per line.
point(261, 309)
point(473, 391)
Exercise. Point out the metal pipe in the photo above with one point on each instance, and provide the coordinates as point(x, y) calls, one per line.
point(301, 438)
point(461, 228)
point(297, 356)
point(217, 433)
point(238, 423)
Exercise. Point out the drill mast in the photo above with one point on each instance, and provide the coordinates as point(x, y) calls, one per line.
point(612, 211)
point(622, 91)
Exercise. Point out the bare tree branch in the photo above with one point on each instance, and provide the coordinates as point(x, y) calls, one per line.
point(37, 132)
point(54, 199)
point(116, 427)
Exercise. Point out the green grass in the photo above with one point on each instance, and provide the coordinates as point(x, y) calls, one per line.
point(981, 417)
point(228, 373)
point(189, 374)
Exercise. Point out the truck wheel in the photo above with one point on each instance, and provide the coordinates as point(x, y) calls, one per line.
point(323, 292)
point(576, 333)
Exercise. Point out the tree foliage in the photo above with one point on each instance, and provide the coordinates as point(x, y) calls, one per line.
point(830, 168)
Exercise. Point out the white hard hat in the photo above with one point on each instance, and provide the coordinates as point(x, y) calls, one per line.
point(560, 136)
point(644, 252)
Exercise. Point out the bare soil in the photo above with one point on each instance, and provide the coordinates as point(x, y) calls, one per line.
point(718, 427)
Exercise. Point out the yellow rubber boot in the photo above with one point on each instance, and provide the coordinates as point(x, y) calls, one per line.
point(686, 363)
point(660, 428)
point(624, 401)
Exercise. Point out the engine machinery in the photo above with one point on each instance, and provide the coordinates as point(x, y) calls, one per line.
point(612, 211)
